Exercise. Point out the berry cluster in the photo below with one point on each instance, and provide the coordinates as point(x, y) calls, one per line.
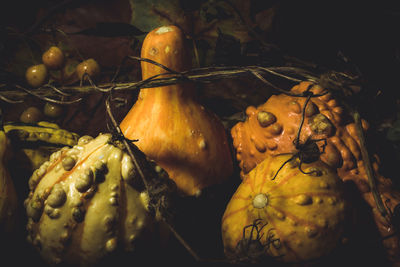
point(54, 59)
point(37, 75)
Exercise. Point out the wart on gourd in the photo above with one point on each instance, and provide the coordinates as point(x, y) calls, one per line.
point(306, 219)
point(57, 196)
point(43, 131)
point(84, 181)
point(60, 201)
point(326, 120)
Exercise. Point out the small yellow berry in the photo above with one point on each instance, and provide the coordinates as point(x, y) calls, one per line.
point(53, 58)
point(89, 66)
point(36, 75)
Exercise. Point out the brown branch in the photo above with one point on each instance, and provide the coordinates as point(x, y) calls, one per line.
point(126, 144)
point(183, 242)
point(47, 99)
point(58, 91)
point(368, 166)
point(145, 180)
point(10, 101)
point(202, 75)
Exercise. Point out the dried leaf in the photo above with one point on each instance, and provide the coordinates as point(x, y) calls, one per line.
point(111, 29)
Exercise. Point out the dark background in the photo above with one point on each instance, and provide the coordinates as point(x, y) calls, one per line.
point(323, 33)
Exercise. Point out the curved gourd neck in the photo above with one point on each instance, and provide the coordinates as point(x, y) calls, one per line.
point(167, 46)
point(183, 91)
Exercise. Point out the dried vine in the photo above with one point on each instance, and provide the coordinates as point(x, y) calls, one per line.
point(13, 93)
point(160, 199)
point(337, 83)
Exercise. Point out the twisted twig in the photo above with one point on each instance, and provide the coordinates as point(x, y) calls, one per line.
point(368, 166)
point(146, 180)
point(10, 101)
point(199, 75)
point(56, 89)
point(126, 144)
point(45, 98)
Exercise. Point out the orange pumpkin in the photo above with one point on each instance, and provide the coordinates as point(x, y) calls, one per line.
point(172, 128)
point(271, 128)
point(299, 216)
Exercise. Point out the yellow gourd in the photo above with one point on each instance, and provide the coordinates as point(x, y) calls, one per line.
point(34, 143)
point(271, 128)
point(82, 205)
point(295, 216)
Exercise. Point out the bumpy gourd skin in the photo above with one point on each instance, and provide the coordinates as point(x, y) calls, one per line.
point(271, 128)
point(8, 196)
point(82, 206)
point(43, 131)
point(34, 143)
point(171, 127)
point(303, 213)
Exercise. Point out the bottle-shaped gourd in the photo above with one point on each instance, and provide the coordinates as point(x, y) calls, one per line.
point(171, 127)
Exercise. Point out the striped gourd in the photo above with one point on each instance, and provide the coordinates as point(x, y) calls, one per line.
point(271, 128)
point(82, 205)
point(294, 216)
point(34, 143)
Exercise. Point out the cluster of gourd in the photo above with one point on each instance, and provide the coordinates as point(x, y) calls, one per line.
point(293, 208)
point(83, 203)
point(271, 129)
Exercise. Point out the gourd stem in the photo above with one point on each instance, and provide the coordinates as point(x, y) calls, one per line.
point(368, 165)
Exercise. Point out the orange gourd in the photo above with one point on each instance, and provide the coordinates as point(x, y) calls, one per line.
point(299, 217)
point(172, 128)
point(271, 128)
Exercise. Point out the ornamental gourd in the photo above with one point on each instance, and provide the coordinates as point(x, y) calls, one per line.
point(82, 205)
point(299, 217)
point(271, 128)
point(8, 195)
point(172, 128)
point(33, 143)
